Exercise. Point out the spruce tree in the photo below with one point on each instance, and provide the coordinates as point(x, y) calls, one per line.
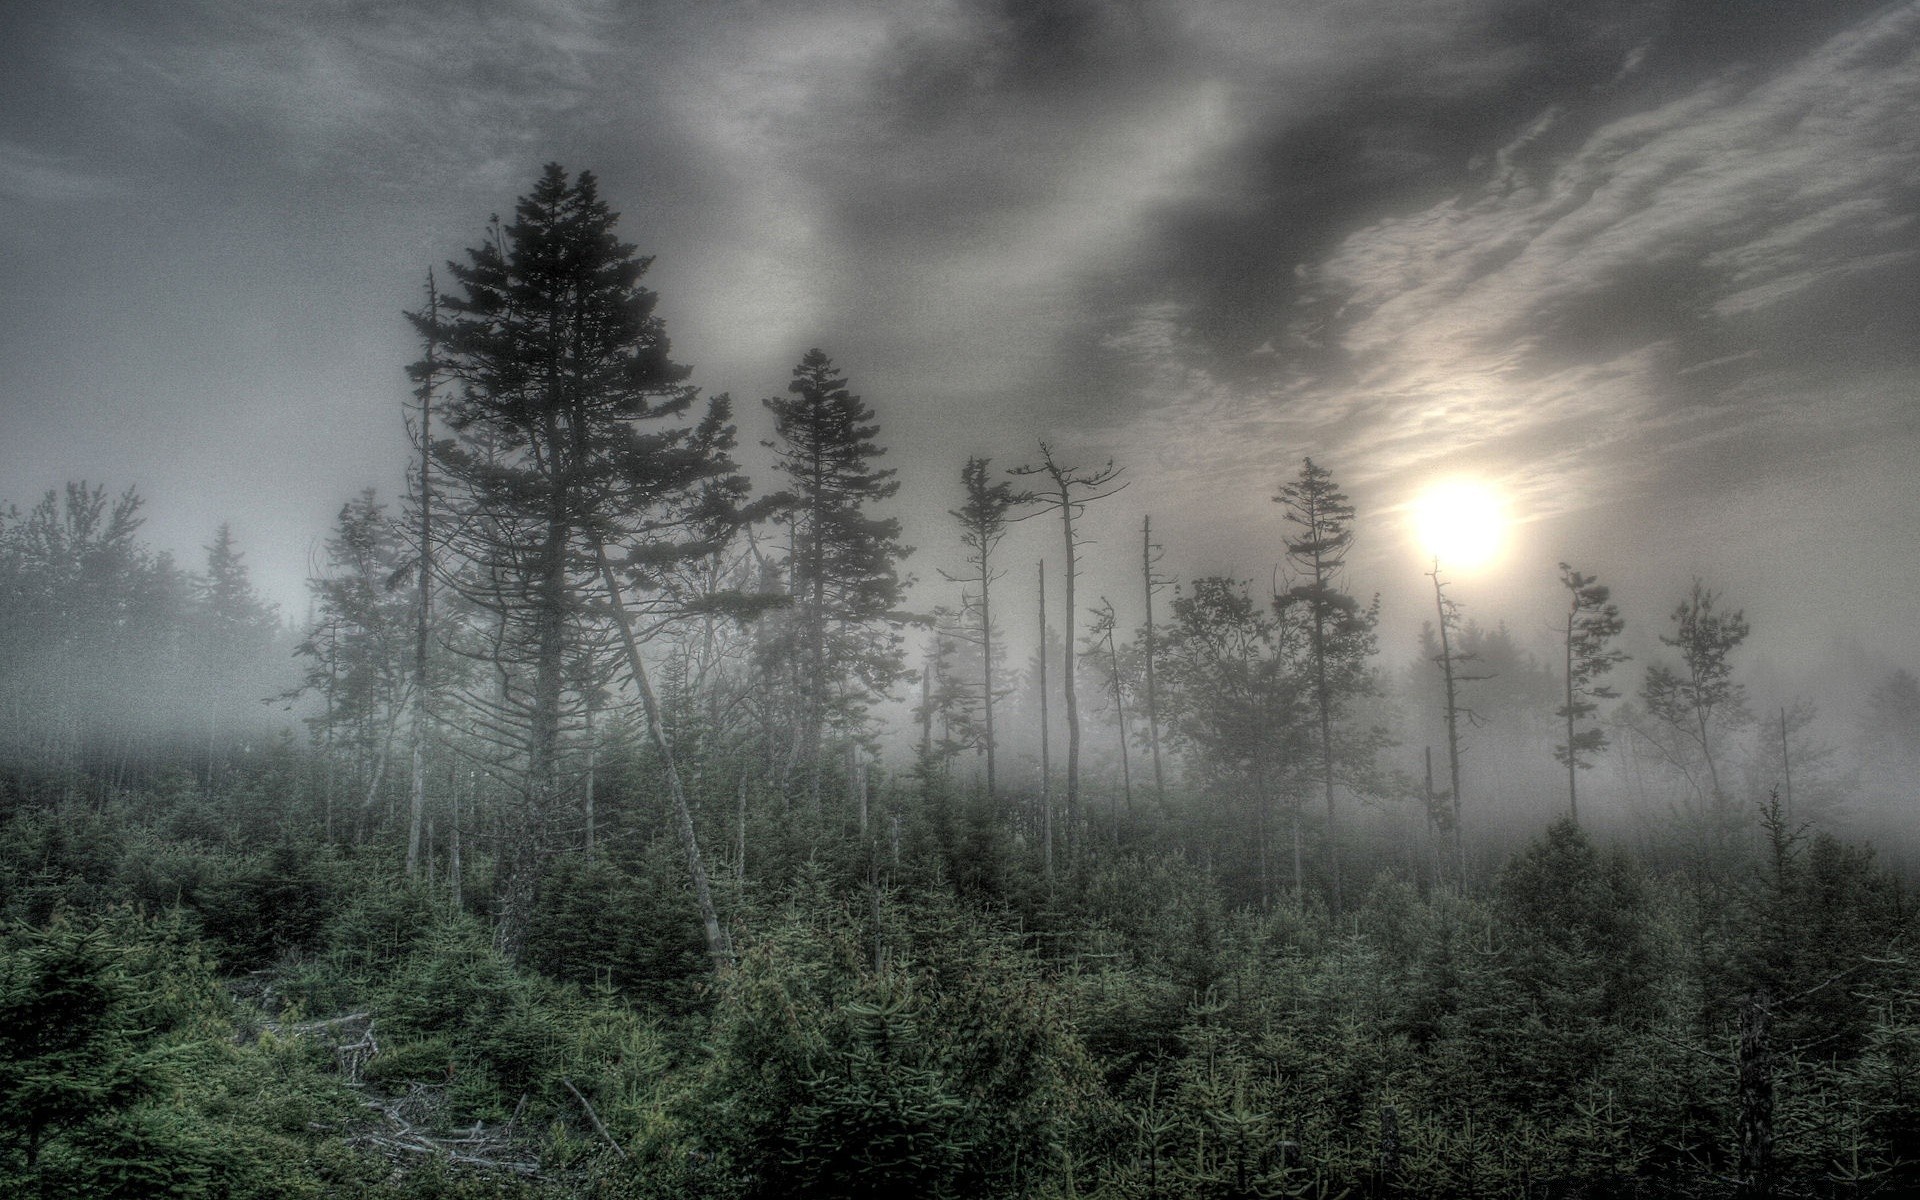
point(1340, 631)
point(843, 646)
point(1592, 624)
point(983, 522)
point(571, 482)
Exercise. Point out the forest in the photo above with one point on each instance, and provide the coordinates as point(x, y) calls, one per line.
point(616, 824)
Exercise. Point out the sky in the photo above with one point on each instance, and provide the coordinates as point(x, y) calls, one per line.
point(1651, 269)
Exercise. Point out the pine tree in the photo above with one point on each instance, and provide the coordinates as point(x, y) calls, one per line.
point(572, 481)
point(234, 629)
point(1340, 630)
point(1592, 624)
point(983, 522)
point(843, 648)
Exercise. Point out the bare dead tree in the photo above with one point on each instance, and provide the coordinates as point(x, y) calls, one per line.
point(1067, 490)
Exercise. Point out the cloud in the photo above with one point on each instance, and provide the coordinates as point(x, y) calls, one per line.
point(1724, 276)
point(31, 178)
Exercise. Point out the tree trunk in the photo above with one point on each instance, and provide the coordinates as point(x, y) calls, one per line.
point(1573, 786)
point(423, 612)
point(986, 669)
point(719, 946)
point(1756, 1097)
point(1153, 698)
point(1067, 685)
point(1453, 728)
point(1046, 761)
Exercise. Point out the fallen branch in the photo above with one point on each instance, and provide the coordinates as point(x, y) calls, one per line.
point(595, 1118)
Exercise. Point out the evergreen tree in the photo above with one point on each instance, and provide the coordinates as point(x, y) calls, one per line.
point(233, 629)
point(571, 478)
point(1340, 637)
point(94, 652)
point(1592, 624)
point(1238, 708)
point(983, 522)
point(358, 646)
point(1699, 704)
point(843, 648)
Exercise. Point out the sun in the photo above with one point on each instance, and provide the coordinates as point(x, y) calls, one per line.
point(1461, 522)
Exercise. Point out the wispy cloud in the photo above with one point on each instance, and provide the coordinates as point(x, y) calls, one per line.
point(1704, 280)
point(31, 178)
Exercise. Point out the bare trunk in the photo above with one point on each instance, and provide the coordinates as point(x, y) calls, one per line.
point(1453, 728)
point(1786, 764)
point(1067, 685)
point(1120, 711)
point(986, 669)
point(1153, 697)
point(593, 747)
point(454, 869)
point(1046, 760)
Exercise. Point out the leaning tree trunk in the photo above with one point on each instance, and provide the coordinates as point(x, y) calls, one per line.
point(719, 946)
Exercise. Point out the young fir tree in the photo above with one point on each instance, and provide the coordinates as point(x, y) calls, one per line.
point(1340, 631)
point(571, 474)
point(1592, 624)
point(843, 647)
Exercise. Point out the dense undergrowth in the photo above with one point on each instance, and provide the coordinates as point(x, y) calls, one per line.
point(936, 1019)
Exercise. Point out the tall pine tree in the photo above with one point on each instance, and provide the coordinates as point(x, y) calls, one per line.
point(843, 647)
point(1340, 630)
point(571, 478)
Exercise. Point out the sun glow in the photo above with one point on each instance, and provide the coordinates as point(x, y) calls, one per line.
point(1461, 522)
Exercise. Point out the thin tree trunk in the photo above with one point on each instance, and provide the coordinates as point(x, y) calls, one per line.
point(986, 668)
point(454, 868)
point(719, 946)
point(1046, 760)
point(593, 746)
point(1153, 697)
point(1786, 763)
point(1120, 710)
point(1755, 1067)
point(423, 613)
point(1573, 786)
point(1067, 684)
point(1323, 698)
point(1453, 728)
point(740, 832)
